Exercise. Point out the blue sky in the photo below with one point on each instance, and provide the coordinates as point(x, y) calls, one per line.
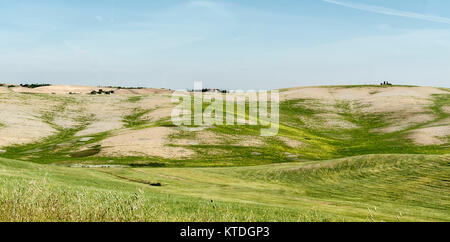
point(233, 44)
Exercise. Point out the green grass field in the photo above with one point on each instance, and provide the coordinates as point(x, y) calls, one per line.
point(337, 174)
point(363, 188)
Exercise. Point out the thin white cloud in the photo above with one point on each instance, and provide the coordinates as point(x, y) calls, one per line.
point(391, 12)
point(214, 7)
point(99, 18)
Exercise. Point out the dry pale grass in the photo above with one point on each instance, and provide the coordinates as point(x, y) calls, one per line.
point(159, 114)
point(74, 89)
point(407, 121)
point(403, 106)
point(3, 90)
point(21, 120)
point(143, 91)
point(446, 109)
point(291, 142)
point(333, 121)
point(205, 137)
point(109, 111)
point(431, 135)
point(147, 142)
point(21, 116)
point(106, 111)
point(58, 89)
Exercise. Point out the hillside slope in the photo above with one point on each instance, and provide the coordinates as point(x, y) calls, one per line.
point(350, 153)
point(316, 123)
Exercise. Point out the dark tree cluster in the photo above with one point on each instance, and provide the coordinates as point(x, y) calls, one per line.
point(125, 87)
point(209, 90)
point(34, 85)
point(100, 91)
point(386, 84)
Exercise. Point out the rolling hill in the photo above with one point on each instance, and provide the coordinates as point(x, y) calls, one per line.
point(343, 153)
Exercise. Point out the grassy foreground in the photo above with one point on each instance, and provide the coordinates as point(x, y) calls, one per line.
point(363, 188)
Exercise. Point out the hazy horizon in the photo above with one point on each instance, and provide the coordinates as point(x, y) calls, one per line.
point(226, 44)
